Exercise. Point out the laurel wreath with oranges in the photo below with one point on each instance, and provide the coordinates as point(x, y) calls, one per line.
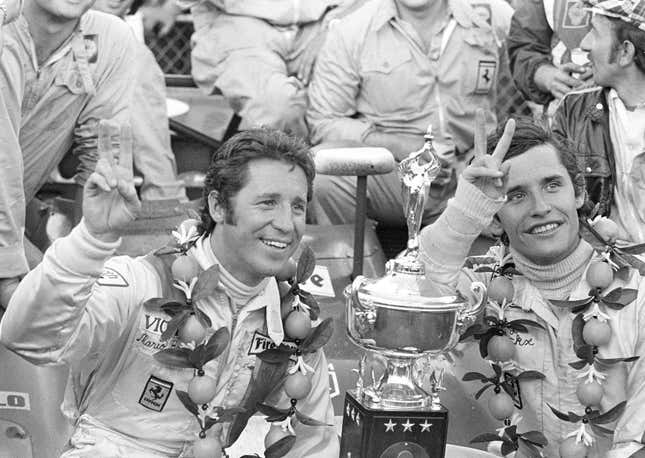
point(189, 326)
point(590, 330)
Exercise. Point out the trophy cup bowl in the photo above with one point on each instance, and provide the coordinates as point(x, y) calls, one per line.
point(403, 317)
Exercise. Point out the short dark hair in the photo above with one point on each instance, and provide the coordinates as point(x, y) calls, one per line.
point(228, 170)
point(624, 31)
point(529, 134)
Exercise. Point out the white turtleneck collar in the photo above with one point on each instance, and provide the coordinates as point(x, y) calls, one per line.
point(556, 281)
point(241, 294)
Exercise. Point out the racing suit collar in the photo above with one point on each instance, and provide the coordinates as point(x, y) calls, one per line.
point(248, 298)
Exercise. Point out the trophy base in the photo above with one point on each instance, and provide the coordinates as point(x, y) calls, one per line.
point(372, 433)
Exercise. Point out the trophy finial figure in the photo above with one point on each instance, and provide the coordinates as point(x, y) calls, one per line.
point(417, 172)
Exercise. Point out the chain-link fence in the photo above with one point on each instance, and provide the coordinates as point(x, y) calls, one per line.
point(172, 51)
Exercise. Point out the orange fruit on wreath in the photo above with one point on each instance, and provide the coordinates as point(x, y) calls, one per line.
point(297, 385)
point(500, 348)
point(191, 330)
point(589, 393)
point(501, 405)
point(596, 332)
point(607, 229)
point(600, 274)
point(208, 447)
point(202, 389)
point(275, 433)
point(298, 324)
point(184, 268)
point(501, 288)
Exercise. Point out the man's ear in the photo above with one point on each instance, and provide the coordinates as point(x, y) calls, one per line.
point(581, 198)
point(215, 208)
point(495, 227)
point(627, 53)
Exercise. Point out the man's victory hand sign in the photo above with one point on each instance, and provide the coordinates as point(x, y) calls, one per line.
point(110, 200)
point(487, 172)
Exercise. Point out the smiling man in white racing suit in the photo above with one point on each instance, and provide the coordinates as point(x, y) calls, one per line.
point(83, 307)
point(532, 187)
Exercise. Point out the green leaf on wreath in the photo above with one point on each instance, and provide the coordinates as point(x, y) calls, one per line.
point(203, 319)
point(158, 303)
point(174, 324)
point(577, 365)
point(318, 336)
point(280, 448)
point(529, 375)
point(174, 357)
point(577, 326)
point(173, 308)
point(612, 361)
point(619, 298)
point(484, 269)
point(585, 352)
point(572, 304)
point(560, 415)
point(188, 403)
point(269, 411)
point(611, 415)
point(632, 249)
point(482, 389)
point(164, 250)
point(535, 437)
point(483, 341)
point(275, 355)
point(308, 421)
point(525, 322)
point(470, 376)
point(508, 447)
point(197, 356)
point(227, 415)
point(601, 431)
point(527, 449)
point(574, 417)
point(210, 421)
point(626, 259)
point(471, 331)
point(306, 265)
point(217, 343)
point(207, 283)
point(485, 437)
point(308, 299)
point(518, 327)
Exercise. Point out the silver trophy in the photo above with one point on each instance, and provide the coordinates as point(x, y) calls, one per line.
point(403, 317)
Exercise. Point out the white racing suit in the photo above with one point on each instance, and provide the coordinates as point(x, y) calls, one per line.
point(83, 308)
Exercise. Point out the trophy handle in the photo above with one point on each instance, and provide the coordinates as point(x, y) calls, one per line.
point(468, 314)
point(366, 313)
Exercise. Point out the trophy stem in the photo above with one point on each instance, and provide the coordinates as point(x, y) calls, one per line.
point(398, 389)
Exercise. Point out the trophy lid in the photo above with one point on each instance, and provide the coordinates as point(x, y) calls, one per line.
point(408, 290)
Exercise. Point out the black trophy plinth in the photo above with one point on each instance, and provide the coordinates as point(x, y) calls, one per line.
point(371, 433)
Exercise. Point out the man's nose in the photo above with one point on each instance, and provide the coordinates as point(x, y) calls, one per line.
point(284, 218)
point(585, 44)
point(541, 205)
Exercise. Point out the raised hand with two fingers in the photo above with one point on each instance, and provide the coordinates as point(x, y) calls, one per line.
point(488, 172)
point(110, 199)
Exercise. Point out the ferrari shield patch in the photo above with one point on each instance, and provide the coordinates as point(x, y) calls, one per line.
point(486, 76)
point(155, 394)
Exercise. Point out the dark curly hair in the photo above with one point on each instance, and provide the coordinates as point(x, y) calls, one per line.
point(228, 170)
point(528, 134)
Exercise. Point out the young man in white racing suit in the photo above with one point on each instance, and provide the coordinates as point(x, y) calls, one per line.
point(531, 186)
point(85, 308)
